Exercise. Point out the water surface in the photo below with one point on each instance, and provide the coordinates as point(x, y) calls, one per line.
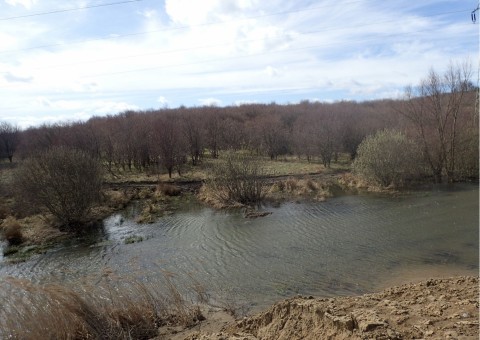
point(346, 245)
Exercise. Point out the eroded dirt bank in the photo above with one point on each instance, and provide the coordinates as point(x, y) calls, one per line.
point(434, 308)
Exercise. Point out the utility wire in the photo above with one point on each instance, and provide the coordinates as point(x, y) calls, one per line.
point(179, 27)
point(245, 56)
point(205, 24)
point(225, 44)
point(68, 10)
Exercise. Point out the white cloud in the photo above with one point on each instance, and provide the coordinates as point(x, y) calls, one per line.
point(272, 71)
point(111, 107)
point(100, 107)
point(85, 87)
point(192, 12)
point(245, 102)
point(15, 78)
point(162, 101)
point(148, 13)
point(220, 51)
point(210, 102)
point(7, 41)
point(25, 3)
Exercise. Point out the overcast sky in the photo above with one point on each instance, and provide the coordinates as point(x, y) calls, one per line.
point(70, 60)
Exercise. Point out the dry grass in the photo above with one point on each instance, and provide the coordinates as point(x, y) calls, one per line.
point(12, 231)
point(350, 181)
point(210, 196)
point(286, 165)
point(116, 199)
point(111, 309)
point(296, 188)
point(40, 230)
point(169, 189)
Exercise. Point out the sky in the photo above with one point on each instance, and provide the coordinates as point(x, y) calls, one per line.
point(70, 60)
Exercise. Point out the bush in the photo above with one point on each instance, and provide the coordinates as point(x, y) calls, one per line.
point(238, 179)
point(169, 189)
point(388, 158)
point(66, 182)
point(12, 231)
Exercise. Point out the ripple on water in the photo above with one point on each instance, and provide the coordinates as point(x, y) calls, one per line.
point(345, 245)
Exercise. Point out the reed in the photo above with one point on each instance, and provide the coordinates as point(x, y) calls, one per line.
point(110, 309)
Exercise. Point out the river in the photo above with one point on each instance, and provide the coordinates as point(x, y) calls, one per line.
point(348, 244)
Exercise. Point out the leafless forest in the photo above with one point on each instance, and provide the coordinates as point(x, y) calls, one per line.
point(440, 116)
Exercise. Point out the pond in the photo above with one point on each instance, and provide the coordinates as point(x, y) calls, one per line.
point(349, 244)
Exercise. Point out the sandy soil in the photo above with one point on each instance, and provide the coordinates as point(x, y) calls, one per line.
point(431, 309)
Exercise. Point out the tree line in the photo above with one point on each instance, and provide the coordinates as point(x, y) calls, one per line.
point(438, 115)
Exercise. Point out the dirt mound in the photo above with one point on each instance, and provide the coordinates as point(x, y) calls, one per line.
point(440, 308)
point(435, 308)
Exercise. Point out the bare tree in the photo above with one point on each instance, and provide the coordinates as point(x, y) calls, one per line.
point(327, 139)
point(168, 144)
point(67, 182)
point(238, 179)
point(9, 137)
point(193, 133)
point(273, 136)
point(434, 109)
point(304, 133)
point(213, 127)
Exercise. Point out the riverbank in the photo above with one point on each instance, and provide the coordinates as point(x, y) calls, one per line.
point(155, 198)
point(445, 308)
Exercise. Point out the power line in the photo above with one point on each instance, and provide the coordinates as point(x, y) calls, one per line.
point(246, 56)
point(219, 45)
point(68, 10)
point(375, 38)
point(208, 24)
point(184, 27)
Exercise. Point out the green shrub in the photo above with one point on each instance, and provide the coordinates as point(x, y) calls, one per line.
point(388, 158)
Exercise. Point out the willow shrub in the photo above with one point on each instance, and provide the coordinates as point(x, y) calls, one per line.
point(238, 179)
point(66, 182)
point(388, 158)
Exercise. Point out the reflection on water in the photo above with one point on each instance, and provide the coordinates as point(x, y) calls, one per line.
point(342, 246)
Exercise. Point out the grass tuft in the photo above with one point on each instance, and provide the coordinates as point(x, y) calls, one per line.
point(169, 189)
point(12, 231)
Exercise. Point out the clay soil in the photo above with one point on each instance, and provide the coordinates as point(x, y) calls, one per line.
point(431, 309)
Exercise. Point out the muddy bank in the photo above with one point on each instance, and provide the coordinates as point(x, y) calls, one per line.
point(433, 308)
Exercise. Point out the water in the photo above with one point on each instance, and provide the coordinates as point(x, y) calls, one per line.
point(346, 245)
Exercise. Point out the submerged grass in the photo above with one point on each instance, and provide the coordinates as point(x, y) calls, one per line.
point(111, 309)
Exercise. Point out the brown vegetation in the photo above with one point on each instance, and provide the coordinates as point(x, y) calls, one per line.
point(65, 182)
point(440, 118)
point(238, 180)
point(169, 189)
point(294, 188)
point(439, 115)
point(12, 231)
point(111, 309)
